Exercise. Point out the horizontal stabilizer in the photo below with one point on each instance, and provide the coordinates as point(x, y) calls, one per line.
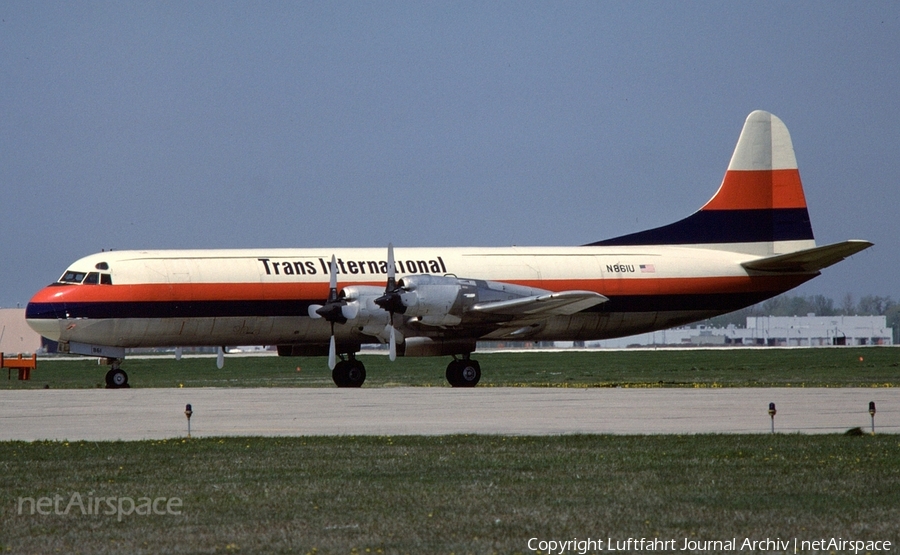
point(808, 260)
point(563, 303)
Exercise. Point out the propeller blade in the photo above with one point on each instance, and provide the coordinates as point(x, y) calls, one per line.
point(220, 358)
point(313, 311)
point(332, 354)
point(332, 280)
point(391, 270)
point(393, 348)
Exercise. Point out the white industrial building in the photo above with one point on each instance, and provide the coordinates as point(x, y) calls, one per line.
point(814, 331)
point(771, 331)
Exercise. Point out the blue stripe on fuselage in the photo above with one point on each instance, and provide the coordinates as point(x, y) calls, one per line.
point(719, 302)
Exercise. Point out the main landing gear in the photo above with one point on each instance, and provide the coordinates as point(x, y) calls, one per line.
point(116, 378)
point(463, 372)
point(349, 373)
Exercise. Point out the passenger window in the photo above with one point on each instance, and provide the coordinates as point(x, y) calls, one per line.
point(92, 278)
point(105, 279)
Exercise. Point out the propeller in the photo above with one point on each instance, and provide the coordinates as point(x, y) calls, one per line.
point(331, 310)
point(336, 310)
point(392, 300)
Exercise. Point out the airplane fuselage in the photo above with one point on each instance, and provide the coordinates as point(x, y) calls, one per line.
point(262, 297)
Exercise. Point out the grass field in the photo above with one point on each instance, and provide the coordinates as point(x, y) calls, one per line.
point(829, 367)
point(452, 494)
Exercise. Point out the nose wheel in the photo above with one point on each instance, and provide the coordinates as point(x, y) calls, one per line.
point(463, 372)
point(349, 373)
point(116, 378)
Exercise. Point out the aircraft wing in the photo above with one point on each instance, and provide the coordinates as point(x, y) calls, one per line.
point(563, 303)
point(808, 260)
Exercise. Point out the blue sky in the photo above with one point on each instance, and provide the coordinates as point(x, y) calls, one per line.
point(263, 124)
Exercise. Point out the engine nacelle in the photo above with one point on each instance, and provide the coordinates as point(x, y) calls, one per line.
point(428, 300)
point(445, 300)
point(362, 299)
point(369, 318)
point(435, 300)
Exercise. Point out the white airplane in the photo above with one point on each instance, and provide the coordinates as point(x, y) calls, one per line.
point(753, 240)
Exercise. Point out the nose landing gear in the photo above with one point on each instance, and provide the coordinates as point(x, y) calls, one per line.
point(116, 378)
point(349, 373)
point(463, 372)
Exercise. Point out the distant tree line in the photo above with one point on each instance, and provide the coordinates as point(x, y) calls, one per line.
point(820, 305)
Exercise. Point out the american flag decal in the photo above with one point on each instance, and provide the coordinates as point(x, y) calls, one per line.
point(648, 268)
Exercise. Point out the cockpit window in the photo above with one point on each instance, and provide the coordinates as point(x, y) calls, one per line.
point(92, 278)
point(72, 277)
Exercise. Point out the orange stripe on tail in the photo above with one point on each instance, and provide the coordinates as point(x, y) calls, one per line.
point(758, 189)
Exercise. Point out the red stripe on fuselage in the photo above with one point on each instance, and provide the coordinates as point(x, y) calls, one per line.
point(676, 286)
point(181, 292)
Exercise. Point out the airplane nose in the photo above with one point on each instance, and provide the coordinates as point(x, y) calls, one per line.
point(48, 303)
point(43, 316)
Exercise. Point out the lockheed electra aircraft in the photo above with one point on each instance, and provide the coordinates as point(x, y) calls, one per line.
point(753, 240)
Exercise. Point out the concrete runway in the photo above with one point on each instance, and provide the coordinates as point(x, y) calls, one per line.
point(133, 414)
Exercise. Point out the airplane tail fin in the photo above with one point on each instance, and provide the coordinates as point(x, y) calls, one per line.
point(759, 209)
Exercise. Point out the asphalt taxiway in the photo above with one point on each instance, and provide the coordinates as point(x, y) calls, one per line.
point(134, 414)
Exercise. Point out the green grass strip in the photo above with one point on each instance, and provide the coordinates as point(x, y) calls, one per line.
point(451, 494)
point(822, 367)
